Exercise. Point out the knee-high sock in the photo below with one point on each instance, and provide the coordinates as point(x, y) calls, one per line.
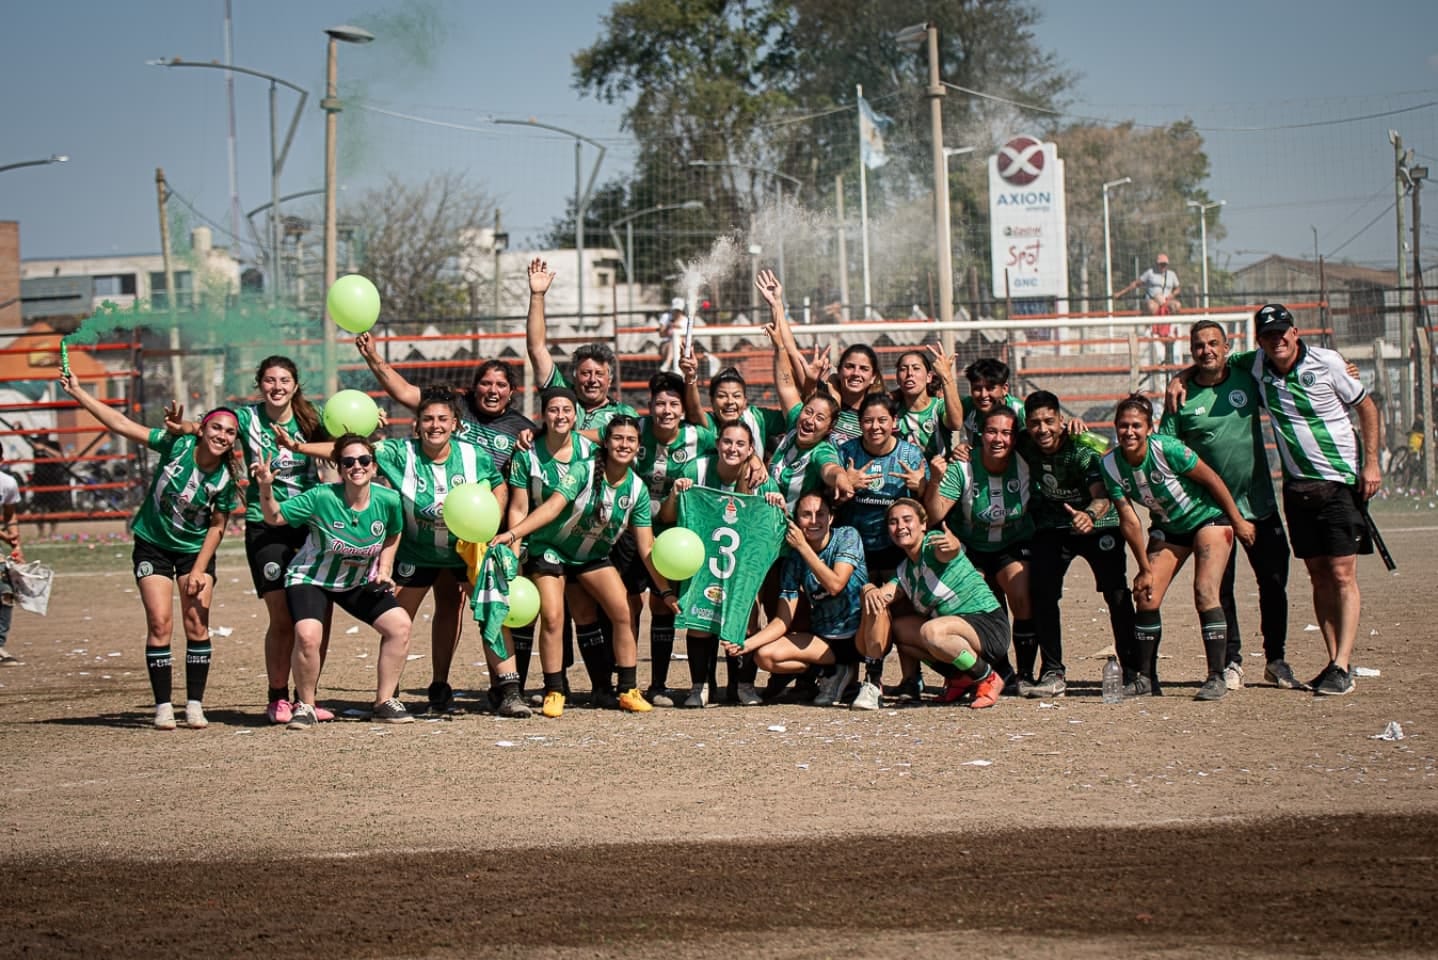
point(523, 640)
point(598, 657)
point(1026, 647)
point(1214, 625)
point(1147, 634)
point(157, 665)
point(197, 668)
point(703, 648)
point(661, 649)
point(1120, 618)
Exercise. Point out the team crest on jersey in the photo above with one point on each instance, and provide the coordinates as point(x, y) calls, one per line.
point(714, 593)
point(1308, 379)
point(1012, 486)
point(1155, 477)
point(271, 571)
point(144, 569)
point(501, 443)
point(1050, 481)
point(421, 485)
point(377, 528)
point(406, 569)
point(625, 501)
point(1106, 542)
point(551, 557)
point(731, 511)
point(455, 481)
point(1238, 398)
point(680, 455)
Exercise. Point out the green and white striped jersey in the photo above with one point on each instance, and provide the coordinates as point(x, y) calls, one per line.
point(1176, 503)
point(660, 464)
point(992, 509)
point(1308, 408)
point(293, 471)
point(918, 426)
point(422, 485)
point(177, 509)
point(538, 472)
point(343, 545)
point(973, 416)
point(846, 426)
point(597, 514)
point(798, 471)
point(939, 589)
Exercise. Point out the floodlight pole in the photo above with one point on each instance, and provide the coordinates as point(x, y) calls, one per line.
point(1203, 209)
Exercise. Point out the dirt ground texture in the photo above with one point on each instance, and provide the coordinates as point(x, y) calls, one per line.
point(1271, 823)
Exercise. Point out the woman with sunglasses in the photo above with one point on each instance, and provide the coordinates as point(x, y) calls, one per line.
point(347, 560)
point(177, 530)
point(573, 533)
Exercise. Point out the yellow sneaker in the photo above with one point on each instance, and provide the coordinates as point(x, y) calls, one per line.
point(553, 704)
point(633, 701)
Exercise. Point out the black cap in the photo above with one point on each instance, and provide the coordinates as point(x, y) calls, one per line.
point(1271, 317)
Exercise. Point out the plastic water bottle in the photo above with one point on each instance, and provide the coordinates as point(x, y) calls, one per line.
point(1112, 681)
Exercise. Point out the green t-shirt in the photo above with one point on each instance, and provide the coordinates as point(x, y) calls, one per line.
point(422, 485)
point(1176, 503)
point(706, 474)
point(177, 509)
point(972, 416)
point(597, 514)
point(742, 535)
point(990, 511)
point(765, 423)
point(797, 471)
point(660, 464)
point(293, 471)
point(343, 545)
point(596, 419)
point(1062, 477)
point(1223, 424)
point(939, 589)
point(538, 471)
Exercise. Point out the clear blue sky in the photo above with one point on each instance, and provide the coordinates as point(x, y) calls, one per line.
point(76, 82)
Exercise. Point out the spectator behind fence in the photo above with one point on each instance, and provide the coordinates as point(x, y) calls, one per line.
point(49, 471)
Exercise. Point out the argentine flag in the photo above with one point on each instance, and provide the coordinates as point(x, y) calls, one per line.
point(871, 136)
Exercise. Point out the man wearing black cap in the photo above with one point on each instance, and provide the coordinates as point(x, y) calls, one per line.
point(1309, 395)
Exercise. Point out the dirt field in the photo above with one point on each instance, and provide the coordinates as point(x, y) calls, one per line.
point(1268, 824)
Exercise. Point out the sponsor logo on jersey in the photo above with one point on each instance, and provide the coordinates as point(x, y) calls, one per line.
point(377, 528)
point(406, 569)
point(551, 557)
point(1238, 398)
point(271, 571)
point(144, 569)
point(337, 524)
point(341, 549)
point(714, 593)
point(432, 512)
point(991, 513)
point(731, 511)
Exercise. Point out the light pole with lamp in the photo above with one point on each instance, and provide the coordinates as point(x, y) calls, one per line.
point(53, 158)
point(277, 153)
point(1108, 245)
point(332, 106)
point(581, 199)
point(779, 178)
point(1203, 209)
point(628, 245)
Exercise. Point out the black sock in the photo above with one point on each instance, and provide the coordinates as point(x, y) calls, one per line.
point(197, 668)
point(522, 638)
point(1120, 619)
point(1147, 634)
point(661, 650)
point(277, 693)
point(507, 684)
point(1214, 625)
point(157, 664)
point(598, 657)
point(702, 648)
point(874, 670)
point(1026, 647)
point(554, 682)
point(628, 679)
point(946, 670)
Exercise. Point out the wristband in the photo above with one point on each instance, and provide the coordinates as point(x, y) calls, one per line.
point(668, 593)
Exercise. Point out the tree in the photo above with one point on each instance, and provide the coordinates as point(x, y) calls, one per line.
point(413, 241)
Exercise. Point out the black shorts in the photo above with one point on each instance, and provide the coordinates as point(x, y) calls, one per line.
point(882, 564)
point(843, 647)
point(993, 631)
point(1324, 519)
point(149, 560)
point(626, 559)
point(309, 602)
point(1185, 540)
point(415, 575)
point(543, 566)
point(990, 563)
point(1054, 550)
point(270, 550)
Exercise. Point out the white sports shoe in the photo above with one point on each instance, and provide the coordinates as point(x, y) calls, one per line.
point(1233, 676)
point(164, 716)
point(195, 715)
point(868, 698)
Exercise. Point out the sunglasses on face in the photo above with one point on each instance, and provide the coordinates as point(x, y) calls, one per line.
point(363, 460)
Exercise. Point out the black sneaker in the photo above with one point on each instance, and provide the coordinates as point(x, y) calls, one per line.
point(441, 699)
point(1214, 688)
point(1335, 683)
point(391, 711)
point(1322, 675)
point(1140, 687)
point(1280, 674)
point(907, 691)
point(1051, 685)
point(512, 705)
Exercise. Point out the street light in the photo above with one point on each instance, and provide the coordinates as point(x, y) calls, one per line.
point(628, 224)
point(277, 153)
point(53, 158)
point(1107, 245)
point(913, 36)
point(778, 191)
point(332, 106)
point(1203, 209)
point(581, 200)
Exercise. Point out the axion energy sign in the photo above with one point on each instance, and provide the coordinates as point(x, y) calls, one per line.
point(1028, 228)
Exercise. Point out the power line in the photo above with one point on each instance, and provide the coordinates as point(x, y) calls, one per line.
point(1381, 214)
point(172, 192)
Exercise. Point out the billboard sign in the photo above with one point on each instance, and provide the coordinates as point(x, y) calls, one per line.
point(1028, 227)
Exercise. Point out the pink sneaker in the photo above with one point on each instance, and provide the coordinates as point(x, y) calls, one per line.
point(321, 714)
point(280, 711)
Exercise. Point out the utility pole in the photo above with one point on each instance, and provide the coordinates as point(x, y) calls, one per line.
point(1405, 331)
point(1420, 322)
point(177, 364)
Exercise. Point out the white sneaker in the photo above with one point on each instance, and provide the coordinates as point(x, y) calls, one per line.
point(1233, 676)
point(8, 659)
point(748, 696)
point(831, 688)
point(698, 696)
point(164, 716)
point(868, 698)
point(195, 715)
point(302, 717)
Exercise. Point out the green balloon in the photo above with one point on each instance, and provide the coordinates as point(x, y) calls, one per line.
point(353, 302)
point(472, 513)
point(678, 553)
point(351, 411)
point(523, 602)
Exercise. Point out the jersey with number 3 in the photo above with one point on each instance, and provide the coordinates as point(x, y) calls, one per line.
point(742, 535)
